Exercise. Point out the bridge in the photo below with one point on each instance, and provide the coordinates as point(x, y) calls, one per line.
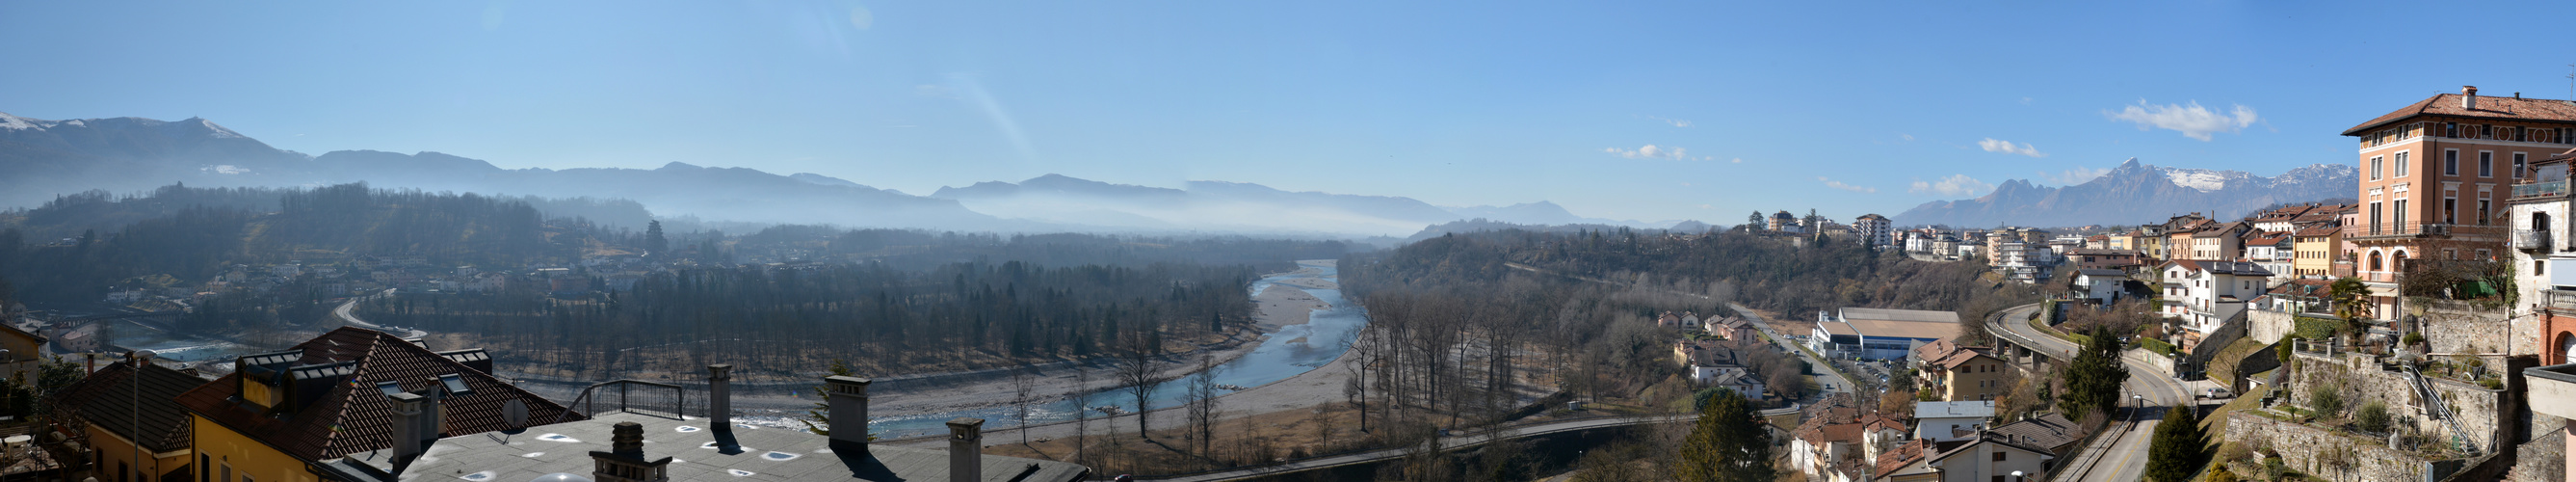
point(1445, 443)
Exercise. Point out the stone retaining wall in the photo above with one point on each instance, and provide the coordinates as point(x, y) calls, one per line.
point(2300, 446)
point(2454, 327)
point(2475, 407)
point(2270, 326)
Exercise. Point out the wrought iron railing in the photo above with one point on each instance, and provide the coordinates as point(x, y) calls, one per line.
point(631, 396)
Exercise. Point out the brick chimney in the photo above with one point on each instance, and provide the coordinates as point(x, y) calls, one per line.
point(720, 397)
point(849, 411)
point(407, 423)
point(624, 461)
point(2469, 97)
point(965, 449)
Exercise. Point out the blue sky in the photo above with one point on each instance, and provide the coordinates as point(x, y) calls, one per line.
point(1844, 108)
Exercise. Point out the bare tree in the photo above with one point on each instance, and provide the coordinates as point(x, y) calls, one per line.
point(1081, 410)
point(1023, 387)
point(1202, 406)
point(1136, 372)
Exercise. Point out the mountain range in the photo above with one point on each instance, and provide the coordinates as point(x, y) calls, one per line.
point(40, 159)
point(2136, 192)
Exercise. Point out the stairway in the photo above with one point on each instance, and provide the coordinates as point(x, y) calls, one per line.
point(2440, 410)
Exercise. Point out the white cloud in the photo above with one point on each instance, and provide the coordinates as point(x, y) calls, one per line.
point(1738, 160)
point(1674, 122)
point(1907, 137)
point(1847, 187)
point(2192, 120)
point(2004, 146)
point(1652, 151)
point(2073, 176)
point(1955, 185)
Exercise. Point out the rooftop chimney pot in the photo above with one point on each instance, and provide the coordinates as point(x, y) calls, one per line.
point(720, 396)
point(965, 449)
point(406, 427)
point(2469, 97)
point(627, 438)
point(849, 409)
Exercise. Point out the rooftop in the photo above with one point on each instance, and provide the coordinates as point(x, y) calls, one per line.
point(2489, 107)
point(1969, 409)
point(107, 399)
point(335, 405)
point(759, 454)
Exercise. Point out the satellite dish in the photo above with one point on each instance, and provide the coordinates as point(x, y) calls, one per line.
point(515, 412)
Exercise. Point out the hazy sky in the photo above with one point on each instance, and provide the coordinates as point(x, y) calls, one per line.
point(1648, 111)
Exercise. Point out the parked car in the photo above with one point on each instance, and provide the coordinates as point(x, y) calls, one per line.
point(2220, 393)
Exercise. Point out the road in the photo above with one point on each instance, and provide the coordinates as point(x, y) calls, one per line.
point(2125, 457)
point(1453, 442)
point(346, 318)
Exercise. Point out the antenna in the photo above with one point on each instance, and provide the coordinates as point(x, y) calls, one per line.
point(2571, 81)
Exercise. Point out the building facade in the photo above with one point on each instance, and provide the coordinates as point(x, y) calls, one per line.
point(2434, 177)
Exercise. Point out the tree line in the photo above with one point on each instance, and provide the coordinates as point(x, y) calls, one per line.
point(962, 315)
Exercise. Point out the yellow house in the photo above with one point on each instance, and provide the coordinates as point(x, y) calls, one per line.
point(1970, 375)
point(22, 360)
point(120, 404)
point(332, 396)
point(2317, 249)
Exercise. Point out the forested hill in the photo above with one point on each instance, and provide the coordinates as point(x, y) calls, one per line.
point(1762, 272)
point(193, 234)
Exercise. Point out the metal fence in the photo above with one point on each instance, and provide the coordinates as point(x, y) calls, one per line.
point(632, 396)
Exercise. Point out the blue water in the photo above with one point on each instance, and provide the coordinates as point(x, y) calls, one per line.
point(1294, 350)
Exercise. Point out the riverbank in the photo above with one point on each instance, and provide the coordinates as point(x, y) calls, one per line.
point(1275, 308)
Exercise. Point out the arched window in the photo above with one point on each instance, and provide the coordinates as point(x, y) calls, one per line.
point(2566, 343)
point(2374, 262)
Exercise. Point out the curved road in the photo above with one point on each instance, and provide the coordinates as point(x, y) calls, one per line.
point(349, 319)
point(1451, 442)
point(2123, 458)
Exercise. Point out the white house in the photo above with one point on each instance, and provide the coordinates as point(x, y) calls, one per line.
point(1875, 229)
point(2100, 285)
point(2274, 251)
point(2204, 294)
point(1947, 421)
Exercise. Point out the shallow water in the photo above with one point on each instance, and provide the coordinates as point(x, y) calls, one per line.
point(1294, 350)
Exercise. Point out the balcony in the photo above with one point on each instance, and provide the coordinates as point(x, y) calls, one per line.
point(2546, 189)
point(2366, 231)
point(2552, 389)
point(2529, 240)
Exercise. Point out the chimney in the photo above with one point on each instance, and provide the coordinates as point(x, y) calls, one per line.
point(849, 411)
point(720, 397)
point(624, 461)
point(965, 450)
point(407, 422)
point(2469, 97)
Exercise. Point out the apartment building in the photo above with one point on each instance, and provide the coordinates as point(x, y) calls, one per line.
point(2314, 250)
point(2201, 295)
point(2544, 254)
point(1875, 229)
point(2434, 177)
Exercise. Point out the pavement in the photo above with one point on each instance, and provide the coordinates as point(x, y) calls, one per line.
point(351, 319)
point(2111, 458)
point(1828, 374)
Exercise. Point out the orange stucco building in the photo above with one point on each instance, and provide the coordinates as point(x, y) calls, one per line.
point(2435, 176)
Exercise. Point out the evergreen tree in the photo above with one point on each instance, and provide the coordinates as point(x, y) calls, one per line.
point(2350, 299)
point(2093, 379)
point(822, 411)
point(2179, 446)
point(1753, 223)
point(654, 243)
point(1728, 445)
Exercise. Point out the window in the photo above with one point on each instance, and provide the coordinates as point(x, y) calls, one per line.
point(1999, 456)
point(2399, 218)
point(2449, 211)
point(2517, 165)
point(202, 463)
point(2486, 164)
point(2483, 214)
point(2450, 129)
point(2374, 168)
point(2450, 163)
point(2401, 164)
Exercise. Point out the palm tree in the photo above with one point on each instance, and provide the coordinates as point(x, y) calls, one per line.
point(2350, 299)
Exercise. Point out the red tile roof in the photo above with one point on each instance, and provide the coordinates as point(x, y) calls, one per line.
point(2502, 108)
point(107, 398)
point(353, 416)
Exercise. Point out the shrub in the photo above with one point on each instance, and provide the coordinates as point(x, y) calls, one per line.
point(2222, 475)
point(2327, 400)
point(2491, 384)
point(2413, 338)
point(2235, 452)
point(2372, 417)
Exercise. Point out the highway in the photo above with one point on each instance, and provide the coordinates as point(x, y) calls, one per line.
point(347, 318)
point(1451, 442)
point(2124, 457)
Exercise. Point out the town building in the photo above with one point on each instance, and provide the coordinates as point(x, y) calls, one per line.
point(1967, 374)
point(281, 413)
point(2544, 254)
point(2112, 259)
point(1947, 421)
point(126, 416)
point(648, 446)
point(1785, 223)
point(2273, 250)
point(2201, 295)
point(2217, 241)
point(2103, 286)
point(1989, 457)
point(2315, 249)
point(2434, 173)
point(1874, 229)
point(1879, 333)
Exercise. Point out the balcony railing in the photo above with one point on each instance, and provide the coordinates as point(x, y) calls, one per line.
point(2412, 230)
point(2556, 188)
point(2560, 300)
point(2529, 240)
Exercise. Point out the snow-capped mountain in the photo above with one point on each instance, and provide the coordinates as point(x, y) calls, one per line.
point(2136, 193)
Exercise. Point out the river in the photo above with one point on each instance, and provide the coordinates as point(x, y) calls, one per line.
point(1293, 350)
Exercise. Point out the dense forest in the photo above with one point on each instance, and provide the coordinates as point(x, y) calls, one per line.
point(205, 231)
point(786, 321)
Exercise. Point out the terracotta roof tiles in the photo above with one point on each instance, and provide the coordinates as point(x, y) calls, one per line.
point(2501, 108)
point(353, 416)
